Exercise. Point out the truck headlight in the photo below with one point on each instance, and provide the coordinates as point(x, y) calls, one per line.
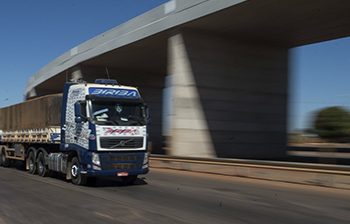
point(96, 159)
point(145, 161)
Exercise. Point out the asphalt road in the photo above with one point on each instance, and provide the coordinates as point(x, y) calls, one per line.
point(165, 196)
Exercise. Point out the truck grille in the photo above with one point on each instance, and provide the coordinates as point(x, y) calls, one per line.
point(124, 158)
point(119, 143)
point(124, 166)
point(124, 161)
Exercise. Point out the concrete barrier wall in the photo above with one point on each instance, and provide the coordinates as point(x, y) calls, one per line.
point(310, 174)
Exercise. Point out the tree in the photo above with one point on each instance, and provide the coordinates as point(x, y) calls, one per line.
point(333, 124)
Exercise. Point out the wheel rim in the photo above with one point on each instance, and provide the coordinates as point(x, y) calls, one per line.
point(41, 166)
point(74, 170)
point(31, 164)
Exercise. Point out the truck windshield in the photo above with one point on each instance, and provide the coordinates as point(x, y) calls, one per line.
point(114, 113)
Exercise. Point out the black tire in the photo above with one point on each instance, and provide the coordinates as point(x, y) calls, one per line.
point(1, 157)
point(43, 170)
point(31, 163)
point(129, 180)
point(77, 177)
point(5, 162)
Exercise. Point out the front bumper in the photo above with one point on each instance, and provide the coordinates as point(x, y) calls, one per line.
point(91, 172)
point(117, 164)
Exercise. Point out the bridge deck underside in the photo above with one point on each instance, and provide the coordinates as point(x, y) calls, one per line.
point(270, 23)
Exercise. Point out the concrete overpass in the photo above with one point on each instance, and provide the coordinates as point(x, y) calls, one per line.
point(226, 63)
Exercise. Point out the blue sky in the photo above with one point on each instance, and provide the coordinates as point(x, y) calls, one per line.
point(33, 33)
point(320, 77)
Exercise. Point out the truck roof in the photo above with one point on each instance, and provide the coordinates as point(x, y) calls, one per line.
point(110, 86)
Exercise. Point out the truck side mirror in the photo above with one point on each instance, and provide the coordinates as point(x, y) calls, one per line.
point(78, 120)
point(80, 111)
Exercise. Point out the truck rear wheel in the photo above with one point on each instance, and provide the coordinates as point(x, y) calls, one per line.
point(31, 163)
point(77, 177)
point(43, 170)
point(3, 160)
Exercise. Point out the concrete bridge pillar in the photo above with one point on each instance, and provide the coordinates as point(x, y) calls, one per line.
point(189, 132)
point(229, 98)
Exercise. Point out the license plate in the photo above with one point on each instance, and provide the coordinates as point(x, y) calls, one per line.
point(122, 174)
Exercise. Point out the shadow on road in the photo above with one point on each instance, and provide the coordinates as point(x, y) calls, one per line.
point(92, 182)
point(102, 181)
point(114, 182)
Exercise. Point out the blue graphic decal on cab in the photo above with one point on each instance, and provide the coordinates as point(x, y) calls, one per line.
point(117, 93)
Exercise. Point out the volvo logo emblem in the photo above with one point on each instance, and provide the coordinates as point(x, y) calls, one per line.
point(121, 143)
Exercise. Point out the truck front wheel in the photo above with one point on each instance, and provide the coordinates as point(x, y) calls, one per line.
point(77, 177)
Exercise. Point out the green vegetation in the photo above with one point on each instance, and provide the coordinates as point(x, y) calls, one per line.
point(333, 124)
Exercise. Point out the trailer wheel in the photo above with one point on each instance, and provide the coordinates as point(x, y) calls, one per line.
point(31, 163)
point(43, 170)
point(77, 177)
point(3, 160)
point(129, 180)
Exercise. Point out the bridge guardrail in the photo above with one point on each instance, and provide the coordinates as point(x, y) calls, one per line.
point(337, 176)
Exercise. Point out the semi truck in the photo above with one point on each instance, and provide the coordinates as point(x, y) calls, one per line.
point(89, 130)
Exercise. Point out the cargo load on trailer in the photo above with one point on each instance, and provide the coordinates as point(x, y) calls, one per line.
point(36, 120)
